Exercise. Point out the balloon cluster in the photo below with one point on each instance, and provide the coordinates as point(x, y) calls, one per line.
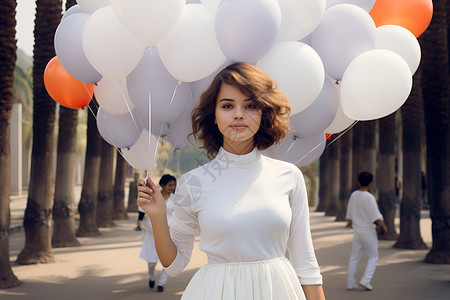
point(336, 60)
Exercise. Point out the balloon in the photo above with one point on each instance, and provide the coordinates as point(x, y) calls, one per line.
point(364, 4)
point(69, 49)
point(345, 32)
point(401, 41)
point(298, 71)
point(155, 78)
point(121, 131)
point(158, 128)
point(213, 4)
point(375, 84)
point(89, 6)
point(300, 152)
point(141, 154)
point(319, 115)
point(112, 95)
point(148, 20)
point(299, 18)
point(65, 89)
point(181, 128)
point(414, 15)
point(191, 52)
point(76, 9)
point(247, 29)
point(108, 46)
point(340, 121)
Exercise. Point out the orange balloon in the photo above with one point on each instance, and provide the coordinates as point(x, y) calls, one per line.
point(414, 15)
point(65, 89)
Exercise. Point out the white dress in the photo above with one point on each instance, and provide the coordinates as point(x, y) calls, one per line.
point(148, 250)
point(250, 211)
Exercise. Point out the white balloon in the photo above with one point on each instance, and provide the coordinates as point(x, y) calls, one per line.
point(375, 84)
point(191, 51)
point(213, 4)
point(149, 20)
point(142, 154)
point(340, 121)
point(112, 95)
point(300, 152)
point(298, 71)
point(299, 18)
point(89, 6)
point(345, 32)
point(180, 129)
point(401, 41)
point(364, 4)
point(108, 46)
point(319, 115)
point(121, 131)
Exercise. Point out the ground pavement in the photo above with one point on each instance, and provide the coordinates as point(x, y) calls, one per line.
point(109, 267)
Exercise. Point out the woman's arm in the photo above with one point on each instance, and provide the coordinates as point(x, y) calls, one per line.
point(153, 203)
point(313, 292)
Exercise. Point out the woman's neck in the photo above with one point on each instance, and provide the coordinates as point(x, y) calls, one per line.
point(238, 148)
point(165, 194)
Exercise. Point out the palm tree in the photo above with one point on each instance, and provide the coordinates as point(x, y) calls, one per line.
point(369, 151)
point(333, 181)
point(105, 186)
point(63, 214)
point(345, 174)
point(412, 120)
point(7, 63)
point(357, 151)
point(37, 214)
point(386, 175)
point(323, 183)
point(119, 212)
point(87, 207)
point(435, 91)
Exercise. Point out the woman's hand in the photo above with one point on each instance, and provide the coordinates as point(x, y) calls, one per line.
point(151, 200)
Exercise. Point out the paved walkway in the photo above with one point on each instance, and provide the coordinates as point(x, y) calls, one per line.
point(108, 267)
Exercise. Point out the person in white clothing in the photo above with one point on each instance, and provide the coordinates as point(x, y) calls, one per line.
point(363, 212)
point(148, 251)
point(250, 211)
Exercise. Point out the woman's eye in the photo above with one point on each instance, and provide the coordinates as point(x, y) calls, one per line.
point(227, 106)
point(252, 106)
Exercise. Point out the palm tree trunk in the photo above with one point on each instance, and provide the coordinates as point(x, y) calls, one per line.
point(7, 62)
point(119, 212)
point(63, 214)
point(105, 186)
point(87, 207)
point(435, 90)
point(357, 150)
point(40, 193)
point(369, 151)
point(132, 194)
point(333, 179)
point(345, 176)
point(386, 175)
point(323, 183)
point(412, 120)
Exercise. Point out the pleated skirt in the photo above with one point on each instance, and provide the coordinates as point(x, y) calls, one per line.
point(273, 279)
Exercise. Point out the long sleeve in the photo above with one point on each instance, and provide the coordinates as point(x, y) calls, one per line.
point(301, 250)
point(183, 228)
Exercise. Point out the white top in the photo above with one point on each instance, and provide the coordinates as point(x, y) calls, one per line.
point(245, 208)
point(362, 209)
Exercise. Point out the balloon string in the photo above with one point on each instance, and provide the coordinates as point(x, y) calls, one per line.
point(292, 144)
point(129, 110)
point(87, 91)
point(318, 145)
point(351, 126)
point(150, 105)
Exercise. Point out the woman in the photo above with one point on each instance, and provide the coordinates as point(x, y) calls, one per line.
point(250, 211)
point(148, 251)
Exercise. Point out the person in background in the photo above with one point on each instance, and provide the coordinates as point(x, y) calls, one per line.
point(148, 251)
point(363, 212)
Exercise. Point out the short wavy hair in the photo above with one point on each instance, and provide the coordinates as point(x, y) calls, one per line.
point(254, 83)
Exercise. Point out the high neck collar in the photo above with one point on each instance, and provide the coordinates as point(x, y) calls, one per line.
point(231, 159)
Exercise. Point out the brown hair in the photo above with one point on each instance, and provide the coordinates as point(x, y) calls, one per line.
point(256, 84)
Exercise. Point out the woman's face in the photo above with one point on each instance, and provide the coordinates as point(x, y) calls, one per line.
point(237, 115)
point(169, 187)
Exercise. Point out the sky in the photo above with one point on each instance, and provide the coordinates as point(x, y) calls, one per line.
point(25, 12)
